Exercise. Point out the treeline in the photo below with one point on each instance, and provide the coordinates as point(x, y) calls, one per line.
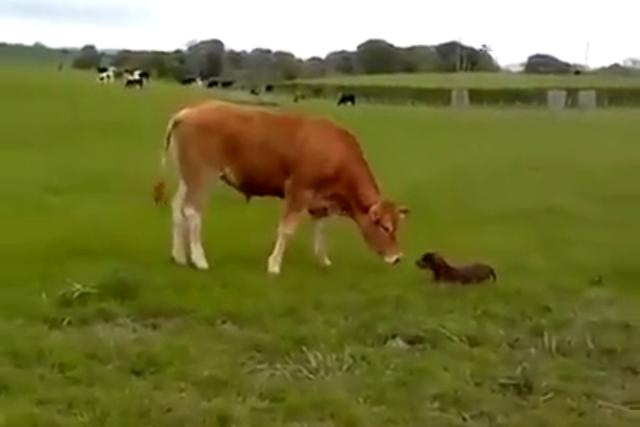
point(210, 58)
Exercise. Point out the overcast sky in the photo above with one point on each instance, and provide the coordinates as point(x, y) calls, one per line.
point(513, 28)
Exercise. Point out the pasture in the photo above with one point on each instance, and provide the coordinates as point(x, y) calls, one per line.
point(98, 328)
point(483, 80)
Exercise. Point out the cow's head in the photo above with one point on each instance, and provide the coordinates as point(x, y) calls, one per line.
point(379, 226)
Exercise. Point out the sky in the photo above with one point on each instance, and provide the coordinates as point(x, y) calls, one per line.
point(598, 31)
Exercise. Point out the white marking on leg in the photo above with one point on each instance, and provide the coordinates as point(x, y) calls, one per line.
point(285, 231)
point(178, 252)
point(319, 243)
point(275, 260)
point(194, 226)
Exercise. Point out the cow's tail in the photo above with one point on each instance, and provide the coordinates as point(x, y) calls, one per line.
point(159, 190)
point(494, 277)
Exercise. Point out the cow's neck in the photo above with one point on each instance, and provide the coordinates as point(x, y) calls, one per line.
point(366, 191)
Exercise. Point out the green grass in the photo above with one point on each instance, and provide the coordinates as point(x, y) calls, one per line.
point(482, 80)
point(97, 328)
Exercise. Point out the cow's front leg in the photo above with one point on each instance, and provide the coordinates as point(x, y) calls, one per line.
point(319, 243)
point(286, 228)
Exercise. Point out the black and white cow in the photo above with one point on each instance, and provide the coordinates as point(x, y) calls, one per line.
point(106, 74)
point(136, 78)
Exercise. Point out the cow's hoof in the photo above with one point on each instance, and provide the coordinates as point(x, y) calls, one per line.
point(201, 265)
point(325, 262)
point(178, 260)
point(273, 270)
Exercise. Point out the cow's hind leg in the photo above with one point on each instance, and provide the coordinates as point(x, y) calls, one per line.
point(194, 201)
point(179, 230)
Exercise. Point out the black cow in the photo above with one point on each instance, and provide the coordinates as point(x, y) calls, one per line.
point(268, 88)
point(254, 91)
point(347, 98)
point(188, 81)
point(226, 83)
point(213, 83)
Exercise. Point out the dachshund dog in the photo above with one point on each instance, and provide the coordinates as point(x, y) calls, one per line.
point(443, 272)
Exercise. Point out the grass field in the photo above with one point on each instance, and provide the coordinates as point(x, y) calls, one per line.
point(483, 80)
point(98, 328)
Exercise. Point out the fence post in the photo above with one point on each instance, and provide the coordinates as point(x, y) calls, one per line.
point(587, 99)
point(459, 98)
point(556, 99)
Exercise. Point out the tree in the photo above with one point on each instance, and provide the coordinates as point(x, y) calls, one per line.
point(125, 59)
point(260, 65)
point(314, 67)
point(235, 60)
point(206, 58)
point(377, 56)
point(420, 59)
point(546, 64)
point(87, 58)
point(286, 65)
point(342, 62)
point(632, 63)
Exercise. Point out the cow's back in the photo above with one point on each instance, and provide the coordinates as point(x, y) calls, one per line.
point(257, 150)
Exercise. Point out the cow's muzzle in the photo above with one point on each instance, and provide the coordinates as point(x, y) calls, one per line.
point(393, 259)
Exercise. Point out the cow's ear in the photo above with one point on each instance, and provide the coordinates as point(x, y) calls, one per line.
point(403, 211)
point(375, 212)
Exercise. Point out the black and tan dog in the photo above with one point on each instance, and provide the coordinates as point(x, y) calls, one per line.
point(444, 272)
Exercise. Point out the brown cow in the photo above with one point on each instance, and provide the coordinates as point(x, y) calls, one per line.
point(311, 163)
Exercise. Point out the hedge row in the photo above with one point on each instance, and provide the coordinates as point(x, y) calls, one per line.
point(615, 97)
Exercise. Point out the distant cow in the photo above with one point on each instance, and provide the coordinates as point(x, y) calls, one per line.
point(213, 83)
point(106, 74)
point(135, 78)
point(188, 81)
point(268, 88)
point(107, 77)
point(132, 81)
point(254, 91)
point(347, 98)
point(144, 75)
point(226, 83)
point(316, 166)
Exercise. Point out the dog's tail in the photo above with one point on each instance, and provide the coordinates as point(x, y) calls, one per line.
point(159, 189)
